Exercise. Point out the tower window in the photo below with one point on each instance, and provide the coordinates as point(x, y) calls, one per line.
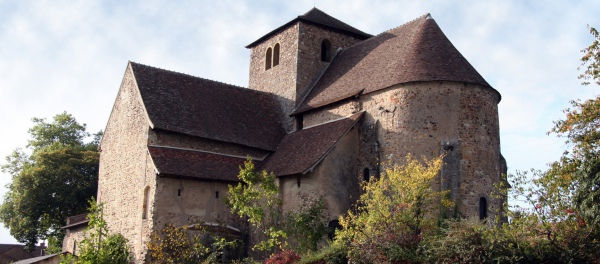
point(268, 58)
point(217, 194)
point(366, 174)
point(326, 51)
point(482, 208)
point(276, 55)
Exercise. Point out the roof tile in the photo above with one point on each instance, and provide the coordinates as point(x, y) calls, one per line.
point(303, 149)
point(199, 107)
point(319, 18)
point(415, 51)
point(193, 164)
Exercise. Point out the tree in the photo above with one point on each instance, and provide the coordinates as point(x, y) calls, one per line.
point(578, 170)
point(256, 198)
point(394, 214)
point(591, 59)
point(52, 178)
point(98, 247)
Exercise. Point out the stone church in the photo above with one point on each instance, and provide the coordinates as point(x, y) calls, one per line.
point(327, 107)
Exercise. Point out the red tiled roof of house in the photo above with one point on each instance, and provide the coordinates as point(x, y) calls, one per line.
point(193, 164)
point(319, 18)
point(199, 107)
point(302, 150)
point(415, 51)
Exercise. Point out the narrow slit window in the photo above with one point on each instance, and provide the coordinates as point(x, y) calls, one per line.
point(268, 59)
point(366, 174)
point(326, 51)
point(145, 201)
point(276, 55)
point(482, 208)
point(178, 192)
point(217, 194)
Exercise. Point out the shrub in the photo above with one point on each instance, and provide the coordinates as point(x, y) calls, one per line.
point(283, 257)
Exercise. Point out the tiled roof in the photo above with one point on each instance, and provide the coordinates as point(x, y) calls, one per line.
point(76, 220)
point(38, 259)
point(319, 18)
point(6, 247)
point(193, 164)
point(199, 107)
point(415, 51)
point(300, 151)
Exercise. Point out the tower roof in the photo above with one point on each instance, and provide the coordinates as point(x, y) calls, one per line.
point(319, 18)
point(415, 51)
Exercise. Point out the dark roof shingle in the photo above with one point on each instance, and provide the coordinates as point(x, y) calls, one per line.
point(76, 220)
point(415, 51)
point(193, 164)
point(199, 107)
point(303, 149)
point(319, 18)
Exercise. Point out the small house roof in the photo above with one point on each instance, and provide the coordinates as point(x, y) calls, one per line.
point(199, 107)
point(300, 151)
point(415, 51)
point(318, 18)
point(76, 220)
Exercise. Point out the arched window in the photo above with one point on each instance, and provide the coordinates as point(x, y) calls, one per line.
point(268, 59)
point(145, 205)
point(326, 50)
point(366, 174)
point(482, 208)
point(276, 55)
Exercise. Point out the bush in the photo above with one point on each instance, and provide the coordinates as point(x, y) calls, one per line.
point(283, 257)
point(390, 221)
point(184, 244)
point(331, 254)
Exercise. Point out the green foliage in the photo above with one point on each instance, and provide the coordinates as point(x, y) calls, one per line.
point(51, 179)
point(591, 59)
point(54, 246)
point(256, 198)
point(184, 244)
point(390, 221)
point(98, 247)
point(308, 226)
point(333, 253)
point(473, 241)
point(578, 170)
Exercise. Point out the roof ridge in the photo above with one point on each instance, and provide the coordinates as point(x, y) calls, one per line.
point(189, 75)
point(426, 16)
point(334, 120)
point(208, 152)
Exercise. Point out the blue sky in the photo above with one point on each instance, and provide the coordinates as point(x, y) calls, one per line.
point(70, 56)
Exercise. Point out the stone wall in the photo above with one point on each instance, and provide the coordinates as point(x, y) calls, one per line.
point(123, 173)
point(428, 119)
point(182, 201)
point(309, 53)
point(280, 79)
point(73, 238)
point(299, 64)
point(334, 179)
